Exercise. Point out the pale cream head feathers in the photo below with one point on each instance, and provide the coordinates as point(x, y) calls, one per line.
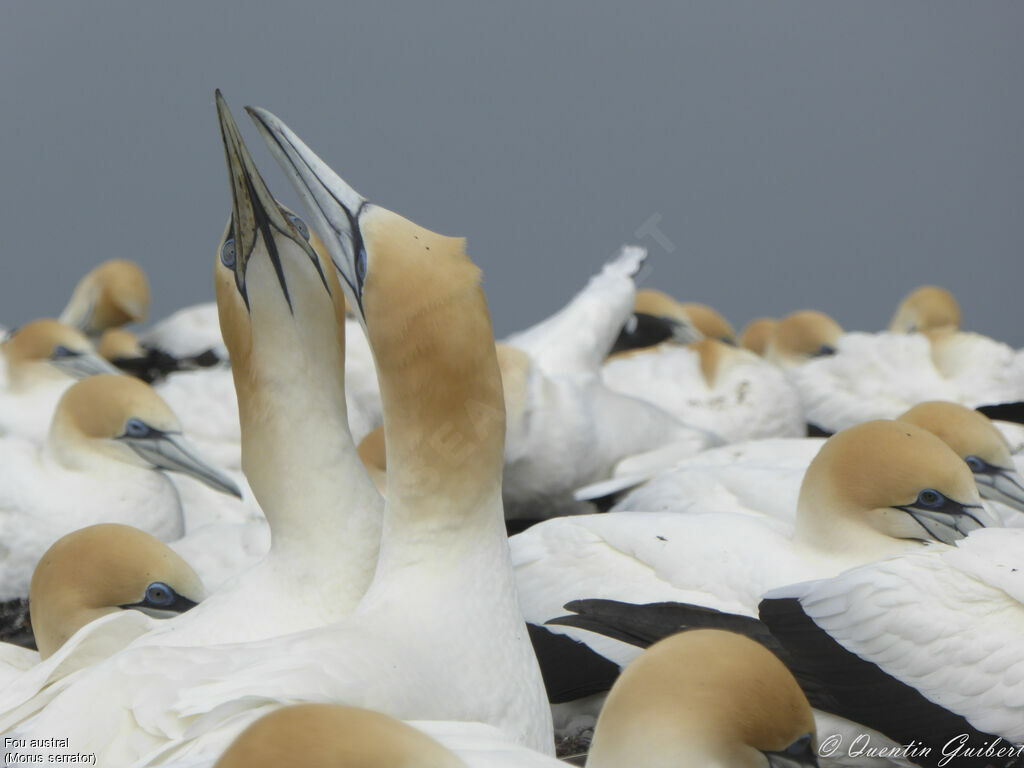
point(928, 308)
point(852, 488)
point(98, 407)
point(757, 334)
point(698, 699)
point(29, 349)
point(803, 335)
point(333, 736)
point(966, 431)
point(113, 294)
point(96, 570)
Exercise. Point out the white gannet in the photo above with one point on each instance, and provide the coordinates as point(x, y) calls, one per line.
point(81, 590)
point(112, 294)
point(801, 336)
point(109, 436)
point(705, 699)
point(756, 335)
point(707, 321)
point(713, 385)
point(42, 359)
point(924, 648)
point(926, 308)
point(283, 321)
point(439, 633)
point(879, 489)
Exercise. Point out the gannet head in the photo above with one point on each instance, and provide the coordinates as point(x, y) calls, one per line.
point(691, 322)
point(123, 418)
point(702, 698)
point(757, 334)
point(419, 298)
point(101, 569)
point(48, 350)
point(114, 293)
point(119, 344)
point(802, 336)
point(974, 438)
point(886, 480)
point(928, 308)
point(334, 736)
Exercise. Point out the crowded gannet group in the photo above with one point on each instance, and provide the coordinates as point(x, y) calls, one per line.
point(390, 540)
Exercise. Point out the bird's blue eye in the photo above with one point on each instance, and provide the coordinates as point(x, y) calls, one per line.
point(976, 464)
point(159, 594)
point(300, 225)
point(61, 351)
point(136, 428)
point(227, 253)
point(929, 498)
point(361, 265)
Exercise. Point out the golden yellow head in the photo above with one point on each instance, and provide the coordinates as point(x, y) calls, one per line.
point(802, 336)
point(757, 334)
point(39, 341)
point(119, 344)
point(333, 736)
point(113, 294)
point(102, 569)
point(928, 308)
point(699, 698)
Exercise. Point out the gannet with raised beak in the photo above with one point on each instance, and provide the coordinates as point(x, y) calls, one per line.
point(439, 633)
point(42, 359)
point(112, 294)
point(109, 437)
point(705, 699)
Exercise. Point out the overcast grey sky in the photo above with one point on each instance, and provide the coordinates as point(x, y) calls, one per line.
point(798, 154)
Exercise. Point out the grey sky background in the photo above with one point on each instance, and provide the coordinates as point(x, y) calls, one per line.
point(798, 154)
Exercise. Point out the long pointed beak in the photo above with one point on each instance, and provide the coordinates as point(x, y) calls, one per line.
point(799, 754)
point(254, 210)
point(952, 521)
point(166, 450)
point(81, 365)
point(333, 204)
point(1003, 485)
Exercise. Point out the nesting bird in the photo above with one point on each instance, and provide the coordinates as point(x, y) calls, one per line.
point(113, 294)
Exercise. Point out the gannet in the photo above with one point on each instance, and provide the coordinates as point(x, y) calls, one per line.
point(108, 436)
point(701, 699)
point(713, 385)
point(112, 294)
point(757, 333)
point(42, 359)
point(706, 321)
point(81, 593)
point(802, 336)
point(439, 633)
point(123, 349)
point(926, 308)
point(924, 648)
point(283, 321)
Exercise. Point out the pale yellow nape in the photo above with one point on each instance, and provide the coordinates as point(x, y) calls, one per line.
point(119, 344)
point(427, 322)
point(800, 335)
point(714, 357)
point(862, 473)
point(928, 308)
point(37, 340)
point(99, 406)
point(113, 294)
point(92, 571)
point(967, 431)
point(757, 334)
point(333, 736)
point(700, 698)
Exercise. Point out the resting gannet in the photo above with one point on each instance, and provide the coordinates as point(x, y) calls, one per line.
point(42, 359)
point(802, 336)
point(756, 335)
point(109, 435)
point(113, 294)
point(439, 633)
point(81, 591)
point(684, 322)
point(701, 699)
point(926, 308)
point(283, 321)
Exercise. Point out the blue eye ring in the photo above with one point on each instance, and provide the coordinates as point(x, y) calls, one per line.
point(976, 463)
point(159, 595)
point(227, 253)
point(300, 225)
point(136, 428)
point(930, 498)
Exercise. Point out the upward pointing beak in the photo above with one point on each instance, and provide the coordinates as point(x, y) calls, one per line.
point(332, 203)
point(254, 210)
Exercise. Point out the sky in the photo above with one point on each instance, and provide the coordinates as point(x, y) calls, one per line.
point(772, 155)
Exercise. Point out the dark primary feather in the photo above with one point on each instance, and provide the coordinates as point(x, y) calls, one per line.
point(16, 623)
